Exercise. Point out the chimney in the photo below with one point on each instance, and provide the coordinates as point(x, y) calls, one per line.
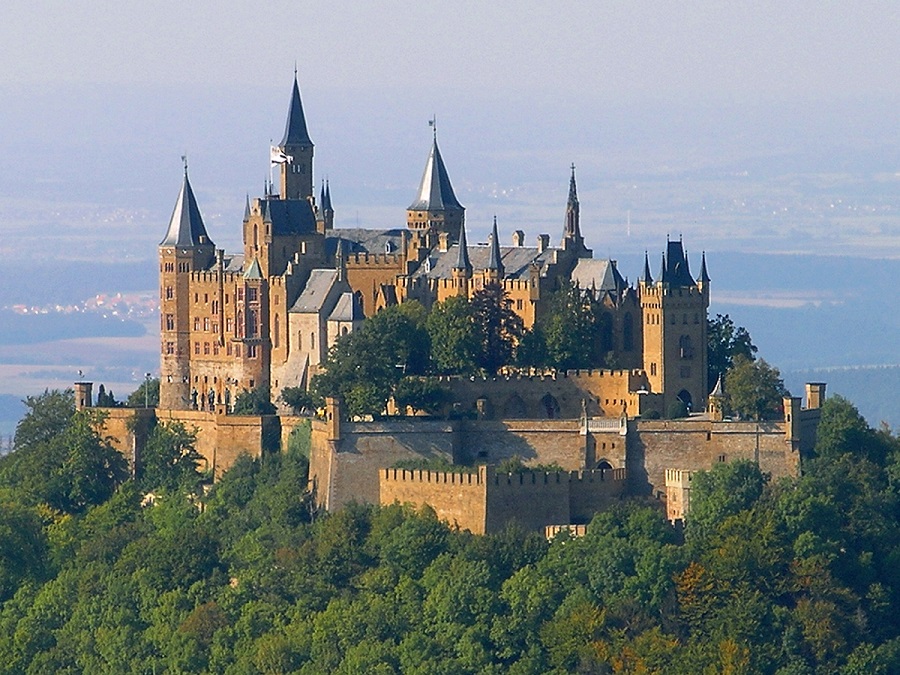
point(543, 242)
point(518, 238)
point(84, 397)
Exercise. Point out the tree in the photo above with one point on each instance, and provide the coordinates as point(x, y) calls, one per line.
point(106, 399)
point(723, 491)
point(421, 394)
point(364, 366)
point(257, 401)
point(725, 342)
point(454, 342)
point(169, 457)
point(147, 394)
point(297, 398)
point(755, 389)
point(569, 330)
point(498, 327)
point(48, 416)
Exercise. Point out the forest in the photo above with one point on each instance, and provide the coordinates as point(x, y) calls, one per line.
point(105, 571)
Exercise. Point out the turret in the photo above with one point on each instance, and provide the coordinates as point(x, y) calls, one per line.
point(435, 207)
point(494, 270)
point(296, 152)
point(462, 269)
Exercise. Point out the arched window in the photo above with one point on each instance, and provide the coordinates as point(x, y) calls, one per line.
point(514, 408)
point(255, 235)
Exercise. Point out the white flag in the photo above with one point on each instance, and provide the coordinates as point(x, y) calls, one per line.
point(278, 157)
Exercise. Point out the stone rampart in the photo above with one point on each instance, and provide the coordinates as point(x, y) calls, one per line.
point(460, 499)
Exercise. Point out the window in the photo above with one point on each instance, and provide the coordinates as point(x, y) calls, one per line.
point(196, 297)
point(196, 323)
point(215, 327)
point(652, 369)
point(206, 323)
point(251, 351)
point(215, 349)
point(252, 323)
point(251, 295)
point(227, 298)
point(206, 348)
point(170, 348)
point(519, 304)
point(686, 347)
point(170, 322)
point(240, 294)
point(206, 297)
point(237, 350)
point(312, 340)
point(215, 307)
point(229, 325)
point(196, 347)
point(228, 349)
point(169, 293)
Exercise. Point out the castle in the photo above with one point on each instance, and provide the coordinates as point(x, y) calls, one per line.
point(267, 316)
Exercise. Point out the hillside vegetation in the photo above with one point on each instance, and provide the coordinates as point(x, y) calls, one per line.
point(102, 572)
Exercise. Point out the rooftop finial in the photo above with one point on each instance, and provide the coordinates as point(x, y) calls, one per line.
point(184, 161)
point(295, 69)
point(433, 124)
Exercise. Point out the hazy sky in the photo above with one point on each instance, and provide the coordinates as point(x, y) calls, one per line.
point(602, 49)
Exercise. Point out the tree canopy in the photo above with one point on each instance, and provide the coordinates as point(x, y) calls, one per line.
point(725, 342)
point(755, 389)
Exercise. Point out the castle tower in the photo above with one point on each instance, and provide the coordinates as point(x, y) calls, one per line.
point(674, 309)
point(436, 208)
point(296, 171)
point(325, 215)
point(184, 250)
point(715, 406)
point(572, 239)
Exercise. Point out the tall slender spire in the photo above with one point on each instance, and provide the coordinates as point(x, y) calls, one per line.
point(462, 257)
point(326, 197)
point(186, 226)
point(295, 132)
point(247, 209)
point(495, 263)
point(572, 231)
point(645, 277)
point(663, 277)
point(704, 275)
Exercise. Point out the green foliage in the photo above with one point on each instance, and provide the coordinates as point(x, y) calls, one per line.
point(418, 393)
point(106, 399)
point(755, 389)
point(257, 401)
point(48, 415)
point(454, 341)
point(515, 464)
point(298, 399)
point(725, 342)
point(565, 337)
point(169, 460)
point(498, 327)
point(364, 366)
point(795, 576)
point(676, 410)
point(146, 395)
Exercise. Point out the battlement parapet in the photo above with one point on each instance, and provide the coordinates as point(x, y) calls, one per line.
point(374, 259)
point(436, 477)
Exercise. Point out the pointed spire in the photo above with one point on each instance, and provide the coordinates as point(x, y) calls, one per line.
point(267, 216)
point(295, 132)
point(462, 257)
point(573, 192)
point(663, 277)
point(326, 198)
point(247, 209)
point(435, 191)
point(186, 225)
point(645, 277)
point(718, 391)
point(704, 275)
point(322, 198)
point(254, 271)
point(687, 265)
point(495, 262)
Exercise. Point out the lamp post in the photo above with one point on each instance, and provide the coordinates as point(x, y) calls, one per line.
point(147, 390)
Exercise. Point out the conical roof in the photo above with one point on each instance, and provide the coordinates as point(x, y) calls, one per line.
point(254, 271)
point(462, 258)
point(704, 275)
point(646, 277)
point(326, 198)
point(295, 132)
point(186, 226)
point(495, 262)
point(718, 391)
point(435, 192)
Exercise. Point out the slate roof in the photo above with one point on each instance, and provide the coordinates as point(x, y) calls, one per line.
point(234, 263)
point(516, 261)
point(359, 240)
point(295, 132)
point(348, 308)
point(495, 261)
point(462, 250)
point(601, 275)
point(186, 225)
point(288, 216)
point(435, 192)
point(254, 271)
point(678, 271)
point(316, 291)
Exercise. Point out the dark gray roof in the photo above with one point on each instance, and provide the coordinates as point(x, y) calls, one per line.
point(360, 240)
point(316, 291)
point(718, 391)
point(646, 277)
point(326, 198)
point(186, 226)
point(462, 257)
point(516, 261)
point(348, 308)
point(678, 273)
point(600, 275)
point(435, 192)
point(288, 216)
point(234, 262)
point(495, 261)
point(295, 132)
point(704, 275)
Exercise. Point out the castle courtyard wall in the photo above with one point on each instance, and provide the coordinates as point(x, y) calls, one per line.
point(460, 499)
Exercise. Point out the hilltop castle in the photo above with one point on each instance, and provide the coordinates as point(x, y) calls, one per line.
point(266, 317)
